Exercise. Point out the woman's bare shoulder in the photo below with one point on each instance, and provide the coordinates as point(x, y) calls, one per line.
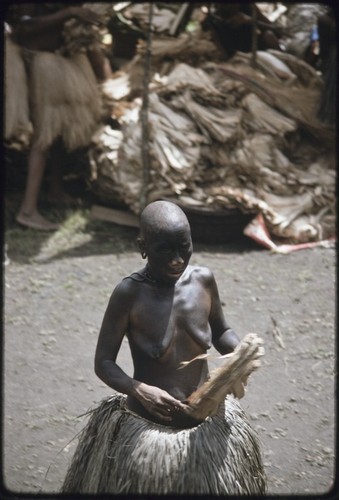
point(129, 285)
point(201, 273)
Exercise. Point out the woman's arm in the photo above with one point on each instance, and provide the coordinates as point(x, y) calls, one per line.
point(31, 22)
point(224, 338)
point(113, 328)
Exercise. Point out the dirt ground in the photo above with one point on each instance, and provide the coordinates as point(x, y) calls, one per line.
point(56, 288)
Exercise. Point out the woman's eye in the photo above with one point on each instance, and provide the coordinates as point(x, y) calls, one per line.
point(163, 250)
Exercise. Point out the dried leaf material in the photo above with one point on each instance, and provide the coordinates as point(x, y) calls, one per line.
point(263, 118)
point(167, 52)
point(185, 76)
point(228, 136)
point(227, 379)
point(175, 148)
point(268, 59)
point(115, 88)
point(277, 333)
point(270, 65)
point(306, 74)
point(288, 208)
point(218, 124)
point(162, 18)
point(104, 152)
point(282, 219)
point(203, 356)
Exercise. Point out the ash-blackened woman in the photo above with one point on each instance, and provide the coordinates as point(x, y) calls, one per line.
point(146, 441)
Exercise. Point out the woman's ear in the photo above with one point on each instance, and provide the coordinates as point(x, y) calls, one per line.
point(142, 247)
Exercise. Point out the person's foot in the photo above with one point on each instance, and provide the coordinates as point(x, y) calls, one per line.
point(36, 221)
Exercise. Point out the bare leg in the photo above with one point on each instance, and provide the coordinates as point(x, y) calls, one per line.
point(29, 215)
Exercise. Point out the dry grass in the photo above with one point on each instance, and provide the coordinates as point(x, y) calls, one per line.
point(122, 453)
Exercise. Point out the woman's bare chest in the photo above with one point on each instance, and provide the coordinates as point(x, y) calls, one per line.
point(165, 321)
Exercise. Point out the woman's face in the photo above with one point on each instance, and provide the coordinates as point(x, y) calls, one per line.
point(169, 252)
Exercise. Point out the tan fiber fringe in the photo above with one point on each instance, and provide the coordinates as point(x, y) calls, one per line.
point(65, 99)
point(15, 92)
point(121, 453)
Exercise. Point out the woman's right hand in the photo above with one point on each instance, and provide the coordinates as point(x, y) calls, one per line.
point(158, 402)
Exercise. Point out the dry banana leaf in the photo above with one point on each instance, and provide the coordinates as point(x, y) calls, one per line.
point(229, 378)
point(225, 136)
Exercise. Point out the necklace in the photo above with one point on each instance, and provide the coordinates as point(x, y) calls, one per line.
point(160, 283)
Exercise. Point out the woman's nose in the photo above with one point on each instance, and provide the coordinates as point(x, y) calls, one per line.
point(176, 259)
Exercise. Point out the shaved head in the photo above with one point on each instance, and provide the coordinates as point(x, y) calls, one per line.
point(165, 239)
point(162, 216)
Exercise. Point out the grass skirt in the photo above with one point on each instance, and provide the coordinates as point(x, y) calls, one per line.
point(17, 122)
point(59, 95)
point(121, 453)
point(65, 99)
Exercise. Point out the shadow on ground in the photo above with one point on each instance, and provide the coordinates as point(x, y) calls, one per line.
point(79, 235)
point(92, 238)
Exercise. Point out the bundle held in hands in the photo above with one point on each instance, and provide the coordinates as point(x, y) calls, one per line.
point(229, 378)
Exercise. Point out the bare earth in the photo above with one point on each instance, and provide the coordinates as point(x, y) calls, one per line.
point(53, 309)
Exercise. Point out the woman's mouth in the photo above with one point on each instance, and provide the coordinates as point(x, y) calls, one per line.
point(175, 272)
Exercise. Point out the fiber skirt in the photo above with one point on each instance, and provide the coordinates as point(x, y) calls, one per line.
point(49, 96)
point(17, 124)
point(64, 99)
point(122, 453)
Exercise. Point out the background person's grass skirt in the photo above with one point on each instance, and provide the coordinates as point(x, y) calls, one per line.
point(120, 453)
point(65, 100)
point(17, 121)
point(49, 96)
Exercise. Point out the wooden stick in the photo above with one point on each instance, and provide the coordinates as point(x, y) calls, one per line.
point(144, 113)
point(254, 35)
